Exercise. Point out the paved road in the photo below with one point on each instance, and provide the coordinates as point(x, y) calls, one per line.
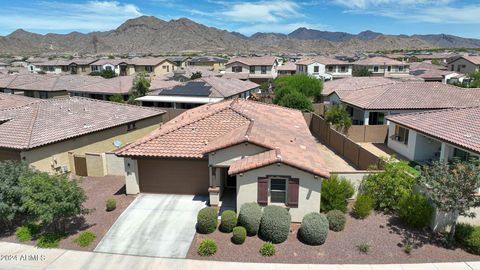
point(157, 225)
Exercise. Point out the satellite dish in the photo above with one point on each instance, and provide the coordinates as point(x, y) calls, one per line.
point(117, 143)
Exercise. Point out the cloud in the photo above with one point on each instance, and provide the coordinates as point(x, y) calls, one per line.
point(266, 11)
point(365, 4)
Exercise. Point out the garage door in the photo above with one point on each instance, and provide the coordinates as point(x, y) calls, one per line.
point(173, 176)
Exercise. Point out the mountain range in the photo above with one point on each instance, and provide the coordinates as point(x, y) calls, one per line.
point(148, 34)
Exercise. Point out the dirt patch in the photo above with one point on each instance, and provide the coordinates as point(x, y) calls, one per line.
point(385, 235)
point(98, 190)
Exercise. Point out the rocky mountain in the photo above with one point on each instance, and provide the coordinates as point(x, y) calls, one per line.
point(148, 34)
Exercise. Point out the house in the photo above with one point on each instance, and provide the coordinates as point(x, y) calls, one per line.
point(198, 92)
point(324, 68)
point(119, 66)
point(351, 84)
point(255, 69)
point(80, 66)
point(180, 61)
point(153, 66)
point(436, 135)
point(442, 58)
point(288, 68)
point(430, 72)
point(383, 66)
point(71, 134)
point(370, 105)
point(49, 67)
point(214, 63)
point(251, 151)
point(464, 64)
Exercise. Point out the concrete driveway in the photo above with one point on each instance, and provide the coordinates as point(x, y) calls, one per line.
point(158, 225)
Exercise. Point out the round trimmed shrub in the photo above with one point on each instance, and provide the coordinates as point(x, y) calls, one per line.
point(229, 221)
point(275, 224)
point(463, 232)
point(314, 229)
point(415, 211)
point(336, 220)
point(207, 247)
point(239, 235)
point(207, 220)
point(249, 217)
point(267, 249)
point(363, 206)
point(110, 204)
point(472, 242)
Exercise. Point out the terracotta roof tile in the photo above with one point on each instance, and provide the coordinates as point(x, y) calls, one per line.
point(288, 66)
point(11, 100)
point(322, 60)
point(379, 61)
point(353, 83)
point(254, 61)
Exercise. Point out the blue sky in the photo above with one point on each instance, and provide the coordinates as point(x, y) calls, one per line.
point(458, 17)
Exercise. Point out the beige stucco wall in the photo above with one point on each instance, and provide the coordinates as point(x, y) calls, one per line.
point(52, 157)
point(95, 164)
point(163, 68)
point(463, 66)
point(309, 188)
point(239, 150)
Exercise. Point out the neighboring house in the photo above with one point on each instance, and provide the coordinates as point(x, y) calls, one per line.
point(251, 151)
point(183, 74)
point(71, 134)
point(180, 61)
point(199, 92)
point(80, 66)
point(382, 66)
point(154, 66)
point(215, 63)
point(464, 64)
point(370, 105)
point(431, 73)
point(49, 67)
point(442, 58)
point(255, 69)
point(287, 68)
point(351, 84)
point(436, 135)
point(324, 68)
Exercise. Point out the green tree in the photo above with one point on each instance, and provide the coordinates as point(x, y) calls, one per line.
point(52, 199)
point(335, 192)
point(361, 72)
point(140, 87)
point(475, 79)
point(297, 101)
point(452, 188)
point(196, 75)
point(338, 116)
point(435, 62)
point(10, 190)
point(116, 98)
point(307, 85)
point(111, 57)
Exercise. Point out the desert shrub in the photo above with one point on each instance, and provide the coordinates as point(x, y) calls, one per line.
point(207, 247)
point(239, 235)
point(84, 239)
point(336, 220)
point(472, 242)
point(314, 229)
point(364, 248)
point(249, 217)
point(415, 210)
point(11, 205)
point(335, 192)
point(50, 240)
point(462, 232)
point(267, 249)
point(110, 204)
point(27, 232)
point(207, 220)
point(275, 224)
point(363, 206)
point(229, 221)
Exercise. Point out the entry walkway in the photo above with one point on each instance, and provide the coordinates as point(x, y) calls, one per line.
point(18, 256)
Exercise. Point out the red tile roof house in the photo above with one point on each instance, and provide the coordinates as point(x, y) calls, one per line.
point(70, 134)
point(255, 69)
point(262, 153)
point(464, 64)
point(324, 68)
point(436, 135)
point(382, 66)
point(370, 105)
point(287, 68)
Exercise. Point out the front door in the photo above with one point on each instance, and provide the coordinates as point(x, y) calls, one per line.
point(80, 165)
point(231, 181)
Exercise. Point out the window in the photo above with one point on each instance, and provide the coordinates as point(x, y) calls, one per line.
point(343, 69)
point(236, 69)
point(316, 69)
point(252, 69)
point(264, 69)
point(389, 68)
point(42, 94)
point(376, 118)
point(131, 126)
point(94, 68)
point(109, 68)
point(149, 69)
point(83, 69)
point(452, 68)
point(375, 69)
point(278, 190)
point(330, 69)
point(401, 134)
point(400, 68)
point(460, 155)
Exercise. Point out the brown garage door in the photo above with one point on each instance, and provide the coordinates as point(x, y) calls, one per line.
point(173, 176)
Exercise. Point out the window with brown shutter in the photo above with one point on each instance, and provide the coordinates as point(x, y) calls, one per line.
point(292, 195)
point(262, 191)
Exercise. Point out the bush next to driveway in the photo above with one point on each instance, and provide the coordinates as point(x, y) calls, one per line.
point(249, 217)
point(208, 247)
point(314, 229)
point(229, 221)
point(207, 220)
point(239, 235)
point(275, 224)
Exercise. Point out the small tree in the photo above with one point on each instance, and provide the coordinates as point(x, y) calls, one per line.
point(297, 101)
point(196, 75)
point(307, 85)
point(140, 87)
point(361, 72)
point(116, 98)
point(475, 79)
point(338, 116)
point(452, 188)
point(107, 73)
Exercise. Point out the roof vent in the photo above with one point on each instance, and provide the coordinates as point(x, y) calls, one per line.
point(303, 147)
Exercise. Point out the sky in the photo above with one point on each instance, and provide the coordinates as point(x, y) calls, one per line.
point(457, 17)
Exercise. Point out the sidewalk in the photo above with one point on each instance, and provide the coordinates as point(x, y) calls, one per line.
point(17, 256)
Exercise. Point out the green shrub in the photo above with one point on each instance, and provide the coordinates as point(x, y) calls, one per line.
point(314, 229)
point(239, 235)
point(229, 221)
point(275, 224)
point(463, 232)
point(267, 249)
point(111, 204)
point(335, 192)
point(249, 217)
point(10, 189)
point(50, 240)
point(27, 232)
point(336, 220)
point(208, 247)
point(84, 239)
point(415, 210)
point(207, 220)
point(472, 242)
point(363, 206)
point(364, 248)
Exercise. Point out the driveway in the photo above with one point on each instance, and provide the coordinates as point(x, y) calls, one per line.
point(158, 225)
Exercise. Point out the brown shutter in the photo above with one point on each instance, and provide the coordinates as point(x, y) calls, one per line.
point(262, 191)
point(293, 192)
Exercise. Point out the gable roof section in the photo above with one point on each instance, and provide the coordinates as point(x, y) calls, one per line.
point(11, 100)
point(254, 61)
point(211, 127)
point(288, 66)
point(474, 59)
point(378, 61)
point(460, 127)
point(322, 60)
point(353, 84)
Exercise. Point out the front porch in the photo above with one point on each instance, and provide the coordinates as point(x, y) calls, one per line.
point(223, 189)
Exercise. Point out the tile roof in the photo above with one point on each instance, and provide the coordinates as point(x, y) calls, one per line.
point(147, 61)
point(112, 62)
point(322, 60)
point(378, 61)
point(203, 59)
point(474, 59)
point(413, 95)
point(254, 61)
point(460, 127)
point(52, 120)
point(46, 82)
point(193, 134)
point(11, 100)
point(353, 83)
point(288, 66)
